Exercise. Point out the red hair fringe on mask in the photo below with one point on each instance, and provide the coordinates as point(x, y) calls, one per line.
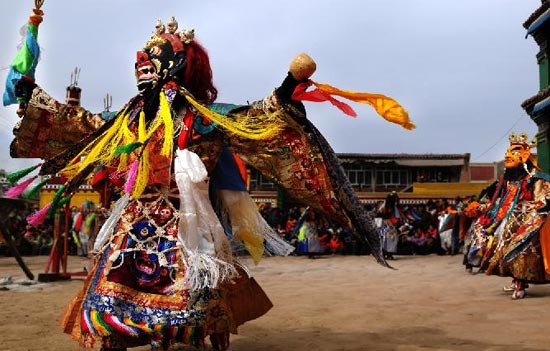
point(198, 74)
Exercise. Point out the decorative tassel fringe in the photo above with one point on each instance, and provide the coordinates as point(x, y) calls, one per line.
point(131, 179)
point(142, 175)
point(39, 217)
point(142, 169)
point(166, 117)
point(14, 177)
point(35, 191)
point(275, 245)
point(252, 127)
point(119, 141)
point(205, 271)
point(18, 189)
point(56, 201)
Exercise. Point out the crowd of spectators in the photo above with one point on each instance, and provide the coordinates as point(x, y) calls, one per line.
point(432, 227)
point(30, 241)
point(332, 238)
point(27, 239)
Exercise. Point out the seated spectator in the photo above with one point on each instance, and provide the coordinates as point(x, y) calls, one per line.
point(418, 241)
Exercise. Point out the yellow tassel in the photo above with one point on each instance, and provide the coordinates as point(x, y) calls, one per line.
point(166, 117)
point(143, 174)
point(115, 141)
point(94, 152)
point(128, 138)
point(253, 127)
point(143, 168)
point(141, 127)
point(103, 148)
point(122, 162)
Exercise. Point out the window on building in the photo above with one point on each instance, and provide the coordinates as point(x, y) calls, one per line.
point(359, 177)
point(393, 177)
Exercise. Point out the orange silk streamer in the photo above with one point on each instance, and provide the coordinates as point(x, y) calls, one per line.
point(386, 107)
point(317, 95)
point(545, 245)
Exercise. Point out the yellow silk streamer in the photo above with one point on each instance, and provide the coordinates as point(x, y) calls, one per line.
point(129, 138)
point(166, 117)
point(142, 132)
point(254, 244)
point(143, 171)
point(385, 106)
point(253, 127)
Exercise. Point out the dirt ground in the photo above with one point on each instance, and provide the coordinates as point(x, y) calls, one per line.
point(331, 303)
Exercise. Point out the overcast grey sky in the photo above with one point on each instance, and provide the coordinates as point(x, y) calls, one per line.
point(461, 68)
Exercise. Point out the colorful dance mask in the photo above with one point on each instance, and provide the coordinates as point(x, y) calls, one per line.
point(162, 58)
point(519, 151)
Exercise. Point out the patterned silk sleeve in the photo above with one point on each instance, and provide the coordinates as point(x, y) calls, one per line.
point(49, 127)
point(301, 161)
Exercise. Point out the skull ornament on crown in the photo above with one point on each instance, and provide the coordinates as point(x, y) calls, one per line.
point(162, 58)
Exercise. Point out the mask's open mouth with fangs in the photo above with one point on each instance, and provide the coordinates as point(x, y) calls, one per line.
point(146, 72)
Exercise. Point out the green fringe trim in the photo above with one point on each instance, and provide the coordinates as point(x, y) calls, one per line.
point(35, 191)
point(14, 177)
point(128, 148)
point(56, 202)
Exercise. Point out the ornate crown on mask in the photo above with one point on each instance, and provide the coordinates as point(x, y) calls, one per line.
point(521, 139)
point(185, 35)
